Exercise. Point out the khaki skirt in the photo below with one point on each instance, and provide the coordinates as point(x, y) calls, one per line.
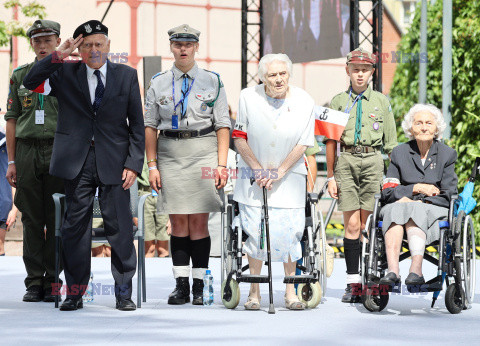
point(186, 167)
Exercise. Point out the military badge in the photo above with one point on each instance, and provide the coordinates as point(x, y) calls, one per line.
point(88, 28)
point(27, 102)
point(203, 107)
point(376, 126)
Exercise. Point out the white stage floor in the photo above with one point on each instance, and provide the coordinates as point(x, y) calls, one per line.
point(406, 319)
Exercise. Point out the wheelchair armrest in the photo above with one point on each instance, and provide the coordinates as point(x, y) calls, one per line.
point(312, 197)
point(230, 198)
point(451, 210)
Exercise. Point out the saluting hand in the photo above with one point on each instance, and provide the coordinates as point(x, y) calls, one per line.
point(128, 177)
point(69, 46)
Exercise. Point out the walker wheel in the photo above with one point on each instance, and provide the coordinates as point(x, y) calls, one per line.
point(310, 294)
point(234, 298)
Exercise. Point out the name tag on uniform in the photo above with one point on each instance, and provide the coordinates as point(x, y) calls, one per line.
point(174, 122)
point(39, 117)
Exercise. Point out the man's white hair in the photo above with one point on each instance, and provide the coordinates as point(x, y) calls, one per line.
point(437, 114)
point(268, 59)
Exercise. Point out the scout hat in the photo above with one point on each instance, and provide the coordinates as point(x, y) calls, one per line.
point(183, 33)
point(43, 27)
point(361, 56)
point(91, 27)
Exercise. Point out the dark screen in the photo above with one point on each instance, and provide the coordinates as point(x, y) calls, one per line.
point(306, 30)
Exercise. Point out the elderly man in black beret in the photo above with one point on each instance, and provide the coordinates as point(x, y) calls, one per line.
point(99, 142)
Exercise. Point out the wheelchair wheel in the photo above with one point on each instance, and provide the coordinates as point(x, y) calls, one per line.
point(454, 298)
point(465, 245)
point(232, 301)
point(374, 299)
point(310, 294)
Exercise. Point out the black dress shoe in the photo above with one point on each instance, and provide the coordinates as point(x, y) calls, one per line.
point(351, 295)
point(197, 292)
point(414, 280)
point(125, 304)
point(49, 297)
point(391, 279)
point(71, 304)
point(181, 293)
point(34, 294)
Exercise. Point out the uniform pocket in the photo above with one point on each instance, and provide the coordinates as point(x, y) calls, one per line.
point(203, 101)
point(26, 97)
point(165, 104)
point(375, 123)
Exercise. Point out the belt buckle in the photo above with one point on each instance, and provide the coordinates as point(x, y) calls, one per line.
point(185, 135)
point(357, 149)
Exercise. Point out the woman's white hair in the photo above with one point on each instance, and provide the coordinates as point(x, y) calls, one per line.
point(408, 119)
point(268, 59)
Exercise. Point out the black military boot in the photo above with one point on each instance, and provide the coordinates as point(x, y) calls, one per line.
point(197, 292)
point(181, 294)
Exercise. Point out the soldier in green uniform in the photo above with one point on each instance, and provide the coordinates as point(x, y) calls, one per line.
point(355, 177)
point(31, 122)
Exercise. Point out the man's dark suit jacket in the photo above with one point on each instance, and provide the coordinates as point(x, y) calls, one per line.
point(439, 170)
point(117, 127)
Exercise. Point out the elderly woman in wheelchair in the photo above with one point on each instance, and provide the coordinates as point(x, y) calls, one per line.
point(419, 184)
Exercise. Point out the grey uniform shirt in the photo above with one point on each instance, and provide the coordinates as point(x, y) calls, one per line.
point(159, 106)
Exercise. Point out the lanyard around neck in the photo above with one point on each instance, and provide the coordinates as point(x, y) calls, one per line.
point(347, 110)
point(40, 100)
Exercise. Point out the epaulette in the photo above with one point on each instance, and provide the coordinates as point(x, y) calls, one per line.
point(213, 72)
point(218, 76)
point(158, 74)
point(20, 67)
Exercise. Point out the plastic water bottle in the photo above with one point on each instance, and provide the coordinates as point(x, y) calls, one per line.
point(208, 288)
point(88, 295)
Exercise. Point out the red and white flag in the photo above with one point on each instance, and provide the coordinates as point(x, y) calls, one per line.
point(329, 123)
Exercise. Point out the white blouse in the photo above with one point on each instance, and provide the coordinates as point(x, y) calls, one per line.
point(273, 128)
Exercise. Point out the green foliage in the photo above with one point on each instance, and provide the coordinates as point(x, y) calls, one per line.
point(32, 11)
point(465, 134)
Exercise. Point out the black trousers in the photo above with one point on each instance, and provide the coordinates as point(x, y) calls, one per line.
point(76, 230)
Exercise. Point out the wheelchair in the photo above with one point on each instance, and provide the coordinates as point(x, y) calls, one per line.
point(312, 280)
point(455, 262)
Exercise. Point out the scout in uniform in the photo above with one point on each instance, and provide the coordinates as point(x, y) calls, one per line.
point(186, 107)
point(31, 122)
point(356, 175)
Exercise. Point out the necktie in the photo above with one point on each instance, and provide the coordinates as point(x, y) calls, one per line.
point(358, 122)
point(98, 92)
point(184, 95)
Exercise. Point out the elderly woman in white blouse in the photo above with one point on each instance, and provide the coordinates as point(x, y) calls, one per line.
point(275, 124)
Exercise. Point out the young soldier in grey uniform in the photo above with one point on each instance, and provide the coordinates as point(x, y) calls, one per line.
point(359, 169)
point(187, 107)
point(31, 122)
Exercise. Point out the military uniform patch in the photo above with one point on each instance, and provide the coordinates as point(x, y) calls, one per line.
point(27, 102)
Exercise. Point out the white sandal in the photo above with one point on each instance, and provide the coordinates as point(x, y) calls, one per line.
point(252, 303)
point(294, 304)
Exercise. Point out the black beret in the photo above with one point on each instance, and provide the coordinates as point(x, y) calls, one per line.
point(91, 27)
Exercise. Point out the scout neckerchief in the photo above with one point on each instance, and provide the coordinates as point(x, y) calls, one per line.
point(358, 120)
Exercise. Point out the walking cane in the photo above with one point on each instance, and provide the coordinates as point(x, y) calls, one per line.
point(271, 308)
